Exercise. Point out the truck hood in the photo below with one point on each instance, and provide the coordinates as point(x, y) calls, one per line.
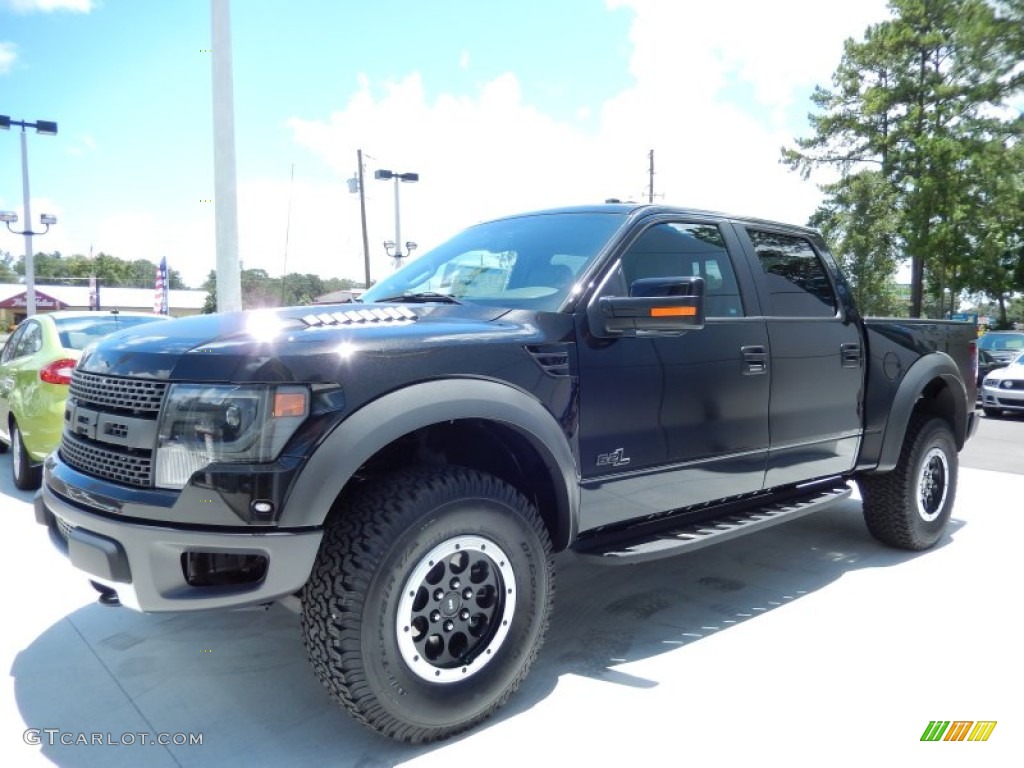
point(297, 343)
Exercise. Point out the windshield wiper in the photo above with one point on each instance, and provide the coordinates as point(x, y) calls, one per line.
point(421, 297)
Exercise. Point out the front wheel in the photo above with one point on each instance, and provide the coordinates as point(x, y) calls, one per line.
point(992, 413)
point(429, 601)
point(910, 506)
point(27, 476)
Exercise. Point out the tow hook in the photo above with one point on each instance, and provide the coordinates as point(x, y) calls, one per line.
point(108, 596)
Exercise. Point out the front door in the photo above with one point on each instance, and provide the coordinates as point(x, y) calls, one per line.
point(669, 421)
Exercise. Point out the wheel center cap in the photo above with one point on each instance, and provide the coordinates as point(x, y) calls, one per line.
point(451, 603)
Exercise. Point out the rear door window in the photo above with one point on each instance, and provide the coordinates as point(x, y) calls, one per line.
point(796, 280)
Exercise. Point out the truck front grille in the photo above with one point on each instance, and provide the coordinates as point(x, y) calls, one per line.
point(118, 393)
point(121, 466)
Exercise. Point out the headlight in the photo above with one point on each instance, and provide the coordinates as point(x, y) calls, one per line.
point(989, 382)
point(201, 424)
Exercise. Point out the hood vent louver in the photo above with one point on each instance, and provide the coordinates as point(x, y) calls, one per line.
point(367, 316)
point(553, 359)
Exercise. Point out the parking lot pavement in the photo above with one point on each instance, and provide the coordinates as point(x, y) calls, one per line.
point(805, 645)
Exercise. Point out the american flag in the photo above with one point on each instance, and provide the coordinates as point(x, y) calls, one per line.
point(160, 291)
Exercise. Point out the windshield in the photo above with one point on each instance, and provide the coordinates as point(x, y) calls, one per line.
point(1002, 342)
point(523, 262)
point(80, 332)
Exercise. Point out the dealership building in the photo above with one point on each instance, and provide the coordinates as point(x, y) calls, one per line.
point(52, 297)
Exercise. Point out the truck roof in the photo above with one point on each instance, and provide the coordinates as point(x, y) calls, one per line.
point(646, 209)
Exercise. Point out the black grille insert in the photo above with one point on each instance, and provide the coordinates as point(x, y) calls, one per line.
point(126, 467)
point(118, 393)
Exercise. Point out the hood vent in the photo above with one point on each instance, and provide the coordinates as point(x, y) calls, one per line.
point(368, 316)
point(552, 358)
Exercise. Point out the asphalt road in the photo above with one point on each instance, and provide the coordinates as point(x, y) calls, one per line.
point(805, 645)
point(998, 445)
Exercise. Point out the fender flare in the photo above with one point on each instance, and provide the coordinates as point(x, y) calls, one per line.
point(936, 365)
point(384, 420)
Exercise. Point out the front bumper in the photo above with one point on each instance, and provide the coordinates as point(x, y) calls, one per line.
point(1003, 399)
point(145, 563)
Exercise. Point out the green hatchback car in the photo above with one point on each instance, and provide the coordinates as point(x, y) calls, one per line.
point(35, 371)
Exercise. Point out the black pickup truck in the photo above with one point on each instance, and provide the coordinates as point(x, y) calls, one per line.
point(624, 382)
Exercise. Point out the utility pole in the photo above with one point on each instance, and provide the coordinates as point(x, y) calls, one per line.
point(650, 176)
point(362, 217)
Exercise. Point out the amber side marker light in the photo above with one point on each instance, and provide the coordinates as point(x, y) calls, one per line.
point(673, 311)
point(289, 404)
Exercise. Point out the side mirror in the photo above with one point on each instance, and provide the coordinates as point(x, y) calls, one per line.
point(655, 305)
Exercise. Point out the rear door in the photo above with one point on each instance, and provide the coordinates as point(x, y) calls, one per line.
point(817, 359)
point(668, 421)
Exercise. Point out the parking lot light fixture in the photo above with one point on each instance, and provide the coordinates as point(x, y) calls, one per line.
point(408, 177)
point(9, 217)
point(46, 128)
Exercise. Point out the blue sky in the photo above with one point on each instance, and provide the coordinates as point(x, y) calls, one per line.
point(500, 107)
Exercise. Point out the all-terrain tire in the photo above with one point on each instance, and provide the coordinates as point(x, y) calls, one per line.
point(909, 507)
point(429, 601)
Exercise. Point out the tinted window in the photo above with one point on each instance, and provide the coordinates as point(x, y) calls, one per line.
point(798, 285)
point(686, 250)
point(31, 341)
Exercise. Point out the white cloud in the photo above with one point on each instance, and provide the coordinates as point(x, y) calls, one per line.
point(489, 153)
point(8, 55)
point(83, 146)
point(464, 60)
point(49, 6)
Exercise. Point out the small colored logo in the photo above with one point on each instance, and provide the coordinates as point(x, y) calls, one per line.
point(958, 730)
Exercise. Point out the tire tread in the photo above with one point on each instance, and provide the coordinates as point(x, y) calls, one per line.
point(355, 541)
point(888, 497)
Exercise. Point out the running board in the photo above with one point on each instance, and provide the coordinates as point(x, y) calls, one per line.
point(643, 543)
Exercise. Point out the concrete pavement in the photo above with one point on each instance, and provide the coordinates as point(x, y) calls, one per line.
point(805, 645)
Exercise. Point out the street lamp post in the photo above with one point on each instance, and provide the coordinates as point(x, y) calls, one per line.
point(47, 128)
point(410, 177)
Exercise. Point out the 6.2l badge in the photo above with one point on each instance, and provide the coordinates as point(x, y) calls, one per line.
point(616, 458)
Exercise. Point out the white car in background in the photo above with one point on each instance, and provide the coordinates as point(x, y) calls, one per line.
point(1003, 389)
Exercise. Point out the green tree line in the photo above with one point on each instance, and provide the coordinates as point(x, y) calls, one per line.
point(920, 127)
point(57, 269)
point(259, 289)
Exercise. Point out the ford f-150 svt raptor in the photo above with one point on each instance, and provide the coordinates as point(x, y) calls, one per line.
point(625, 382)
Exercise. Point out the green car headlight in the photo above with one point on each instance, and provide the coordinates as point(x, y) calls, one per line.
point(202, 424)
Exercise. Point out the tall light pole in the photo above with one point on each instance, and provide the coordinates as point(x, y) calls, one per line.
point(410, 177)
point(225, 182)
point(47, 128)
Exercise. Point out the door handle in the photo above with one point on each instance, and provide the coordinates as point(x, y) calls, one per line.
point(850, 355)
point(755, 360)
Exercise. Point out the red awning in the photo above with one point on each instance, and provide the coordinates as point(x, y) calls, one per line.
point(43, 301)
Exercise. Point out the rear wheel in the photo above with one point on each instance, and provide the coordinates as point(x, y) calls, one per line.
point(27, 476)
point(429, 601)
point(910, 506)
